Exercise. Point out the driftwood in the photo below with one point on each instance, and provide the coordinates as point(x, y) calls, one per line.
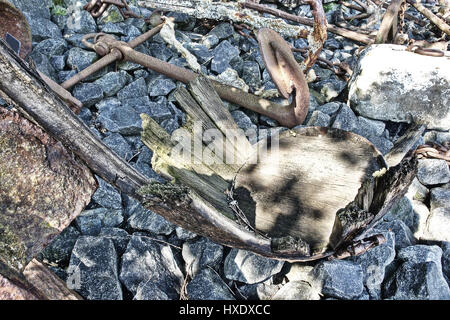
point(24, 86)
point(24, 232)
point(14, 24)
point(47, 283)
point(217, 195)
point(404, 144)
point(356, 36)
point(374, 199)
point(230, 11)
point(407, 15)
point(438, 22)
point(290, 191)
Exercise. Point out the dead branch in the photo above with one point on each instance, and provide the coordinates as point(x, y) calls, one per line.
point(407, 15)
point(231, 11)
point(438, 22)
point(309, 22)
point(388, 27)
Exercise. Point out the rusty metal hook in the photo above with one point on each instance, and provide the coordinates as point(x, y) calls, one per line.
point(285, 72)
point(425, 51)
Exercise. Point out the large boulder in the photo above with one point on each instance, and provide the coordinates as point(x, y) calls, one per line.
point(390, 83)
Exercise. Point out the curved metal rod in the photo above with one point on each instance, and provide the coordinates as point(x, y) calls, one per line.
point(425, 51)
point(286, 115)
point(285, 72)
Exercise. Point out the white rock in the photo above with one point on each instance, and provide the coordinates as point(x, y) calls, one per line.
point(297, 290)
point(300, 272)
point(422, 213)
point(439, 225)
point(390, 83)
point(417, 191)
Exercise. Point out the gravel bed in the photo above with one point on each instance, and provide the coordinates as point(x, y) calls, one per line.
point(123, 251)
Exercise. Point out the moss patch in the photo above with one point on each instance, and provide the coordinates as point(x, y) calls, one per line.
point(12, 250)
point(59, 11)
point(113, 17)
point(329, 6)
point(165, 191)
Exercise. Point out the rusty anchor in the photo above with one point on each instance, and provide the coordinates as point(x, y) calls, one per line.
point(289, 79)
point(286, 73)
point(279, 60)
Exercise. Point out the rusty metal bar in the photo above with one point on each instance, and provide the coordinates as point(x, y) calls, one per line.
point(284, 114)
point(114, 55)
point(71, 101)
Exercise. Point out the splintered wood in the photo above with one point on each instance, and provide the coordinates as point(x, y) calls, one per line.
point(295, 189)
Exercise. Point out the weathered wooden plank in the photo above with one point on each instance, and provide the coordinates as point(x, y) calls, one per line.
point(47, 283)
point(296, 190)
point(199, 123)
point(33, 98)
point(375, 197)
point(438, 22)
point(171, 154)
point(211, 104)
point(388, 27)
point(16, 291)
point(404, 144)
point(201, 178)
